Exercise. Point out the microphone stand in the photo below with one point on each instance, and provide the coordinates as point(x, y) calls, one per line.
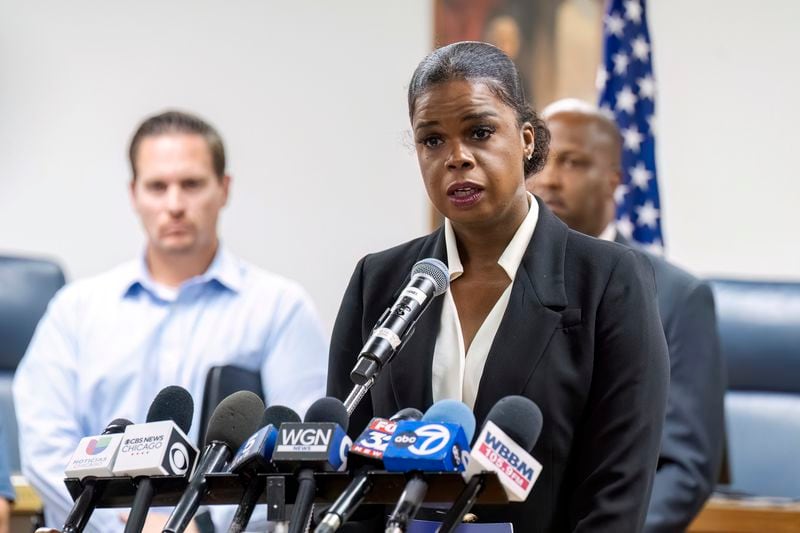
point(469, 494)
point(357, 394)
point(79, 516)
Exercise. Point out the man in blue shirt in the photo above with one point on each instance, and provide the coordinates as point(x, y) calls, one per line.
point(108, 344)
point(6, 490)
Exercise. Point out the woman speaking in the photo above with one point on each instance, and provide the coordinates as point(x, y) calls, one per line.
point(534, 308)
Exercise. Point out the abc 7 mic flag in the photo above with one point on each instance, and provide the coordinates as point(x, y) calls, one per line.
point(431, 447)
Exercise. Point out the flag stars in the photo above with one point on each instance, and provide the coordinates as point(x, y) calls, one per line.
point(651, 123)
point(620, 63)
point(606, 111)
point(627, 89)
point(619, 193)
point(648, 215)
point(640, 176)
point(615, 25)
point(601, 79)
point(632, 138)
point(647, 87)
point(625, 227)
point(640, 48)
point(633, 11)
point(626, 100)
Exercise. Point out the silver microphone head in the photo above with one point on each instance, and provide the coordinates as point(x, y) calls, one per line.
point(435, 270)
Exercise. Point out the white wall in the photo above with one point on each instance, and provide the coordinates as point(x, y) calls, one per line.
point(310, 99)
point(728, 119)
point(309, 96)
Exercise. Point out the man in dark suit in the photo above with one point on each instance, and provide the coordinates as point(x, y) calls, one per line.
point(578, 184)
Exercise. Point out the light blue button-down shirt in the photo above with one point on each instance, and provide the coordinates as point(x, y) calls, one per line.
point(108, 344)
point(6, 489)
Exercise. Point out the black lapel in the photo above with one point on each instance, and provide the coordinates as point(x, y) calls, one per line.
point(410, 370)
point(531, 317)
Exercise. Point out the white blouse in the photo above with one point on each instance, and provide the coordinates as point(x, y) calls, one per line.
point(457, 375)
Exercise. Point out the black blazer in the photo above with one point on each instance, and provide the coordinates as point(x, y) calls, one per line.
point(581, 337)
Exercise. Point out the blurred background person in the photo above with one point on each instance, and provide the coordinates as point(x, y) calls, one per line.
point(108, 344)
point(6, 489)
point(578, 184)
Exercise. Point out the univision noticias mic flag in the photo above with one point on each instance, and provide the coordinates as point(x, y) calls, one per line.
point(627, 96)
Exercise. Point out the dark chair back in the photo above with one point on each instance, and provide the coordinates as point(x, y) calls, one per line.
point(222, 381)
point(759, 331)
point(26, 287)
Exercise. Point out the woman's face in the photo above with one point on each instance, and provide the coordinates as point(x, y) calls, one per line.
point(470, 150)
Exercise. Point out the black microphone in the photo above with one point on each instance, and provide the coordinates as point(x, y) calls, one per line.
point(319, 443)
point(429, 278)
point(232, 422)
point(94, 456)
point(510, 432)
point(171, 404)
point(366, 454)
point(254, 457)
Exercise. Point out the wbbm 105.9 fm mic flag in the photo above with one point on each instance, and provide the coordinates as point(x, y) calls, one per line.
point(429, 278)
point(509, 434)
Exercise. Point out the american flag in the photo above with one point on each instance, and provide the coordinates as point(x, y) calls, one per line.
point(627, 95)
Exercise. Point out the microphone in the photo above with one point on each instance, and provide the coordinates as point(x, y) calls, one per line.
point(234, 420)
point(510, 432)
point(365, 455)
point(94, 457)
point(254, 457)
point(429, 278)
point(437, 443)
point(320, 443)
point(159, 447)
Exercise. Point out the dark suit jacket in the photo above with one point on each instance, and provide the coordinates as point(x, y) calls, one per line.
point(581, 337)
point(691, 446)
